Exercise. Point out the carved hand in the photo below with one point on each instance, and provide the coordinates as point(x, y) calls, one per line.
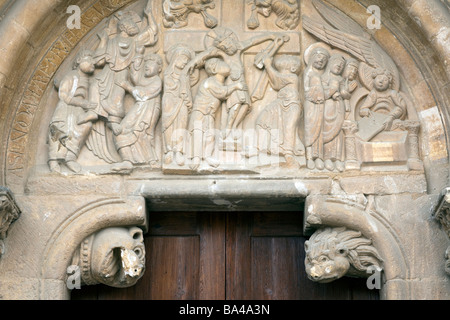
point(364, 112)
point(388, 123)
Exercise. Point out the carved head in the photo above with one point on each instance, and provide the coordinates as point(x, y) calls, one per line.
point(179, 55)
point(128, 26)
point(113, 256)
point(319, 58)
point(382, 79)
point(215, 66)
point(351, 69)
point(153, 65)
point(225, 40)
point(85, 61)
point(264, 7)
point(332, 253)
point(336, 64)
point(288, 64)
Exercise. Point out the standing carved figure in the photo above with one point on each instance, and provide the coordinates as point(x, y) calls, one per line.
point(211, 92)
point(334, 113)
point(126, 36)
point(281, 117)
point(223, 42)
point(350, 84)
point(314, 107)
point(66, 135)
point(177, 103)
point(136, 136)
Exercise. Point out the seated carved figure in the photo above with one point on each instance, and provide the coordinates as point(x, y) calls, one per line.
point(383, 99)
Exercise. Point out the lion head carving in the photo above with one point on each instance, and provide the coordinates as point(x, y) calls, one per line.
point(112, 256)
point(332, 253)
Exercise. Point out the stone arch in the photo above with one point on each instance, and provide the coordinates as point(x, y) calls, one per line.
point(84, 222)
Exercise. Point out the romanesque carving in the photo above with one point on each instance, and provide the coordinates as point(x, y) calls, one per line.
point(91, 110)
point(332, 253)
point(277, 125)
point(442, 214)
point(223, 42)
point(373, 99)
point(287, 12)
point(136, 136)
point(67, 135)
point(347, 111)
point(176, 12)
point(9, 212)
point(177, 103)
point(112, 256)
point(211, 93)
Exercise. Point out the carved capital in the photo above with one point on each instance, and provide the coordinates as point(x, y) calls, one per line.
point(9, 212)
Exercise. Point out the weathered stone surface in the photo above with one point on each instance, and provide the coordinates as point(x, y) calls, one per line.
point(172, 105)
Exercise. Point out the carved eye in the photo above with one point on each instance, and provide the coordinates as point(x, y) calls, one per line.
point(323, 259)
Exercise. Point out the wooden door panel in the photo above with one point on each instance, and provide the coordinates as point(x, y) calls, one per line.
point(172, 268)
point(275, 268)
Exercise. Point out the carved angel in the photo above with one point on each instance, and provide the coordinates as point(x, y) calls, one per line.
point(287, 12)
point(176, 12)
point(126, 36)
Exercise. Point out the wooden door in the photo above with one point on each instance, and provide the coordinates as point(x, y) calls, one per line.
point(227, 256)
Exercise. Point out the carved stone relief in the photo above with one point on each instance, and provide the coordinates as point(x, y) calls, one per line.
point(242, 97)
point(113, 256)
point(332, 253)
point(442, 214)
point(9, 212)
point(286, 11)
point(176, 12)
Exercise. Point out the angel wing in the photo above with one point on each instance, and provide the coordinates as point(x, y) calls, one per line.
point(100, 143)
point(339, 20)
point(351, 38)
